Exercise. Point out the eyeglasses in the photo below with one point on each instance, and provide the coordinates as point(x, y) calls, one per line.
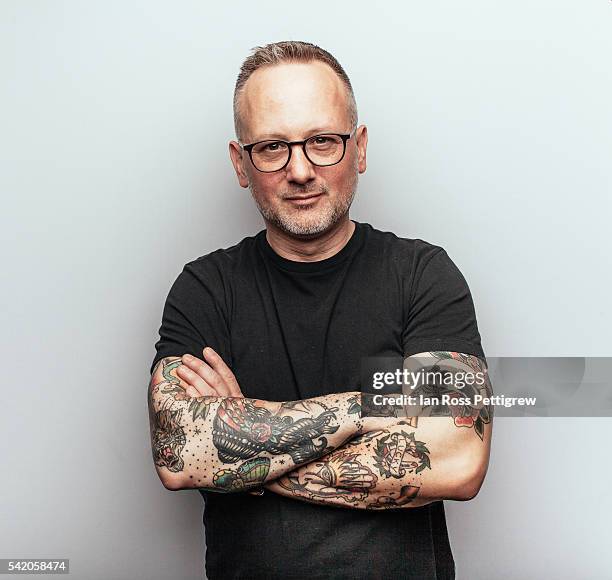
point(322, 150)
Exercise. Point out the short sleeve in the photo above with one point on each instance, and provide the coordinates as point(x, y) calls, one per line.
point(193, 316)
point(440, 313)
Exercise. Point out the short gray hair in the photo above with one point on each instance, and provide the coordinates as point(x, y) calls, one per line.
point(289, 51)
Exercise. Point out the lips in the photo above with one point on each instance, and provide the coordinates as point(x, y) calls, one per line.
point(302, 197)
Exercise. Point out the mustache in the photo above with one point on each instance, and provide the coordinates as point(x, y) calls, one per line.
point(285, 194)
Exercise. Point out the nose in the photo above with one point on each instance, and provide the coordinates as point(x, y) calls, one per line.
point(299, 169)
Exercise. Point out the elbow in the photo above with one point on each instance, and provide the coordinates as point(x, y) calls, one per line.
point(183, 480)
point(172, 481)
point(171, 484)
point(467, 487)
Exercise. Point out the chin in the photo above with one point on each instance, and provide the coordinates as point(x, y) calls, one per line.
point(306, 225)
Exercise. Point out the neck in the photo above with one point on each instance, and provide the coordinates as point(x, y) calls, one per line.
point(310, 249)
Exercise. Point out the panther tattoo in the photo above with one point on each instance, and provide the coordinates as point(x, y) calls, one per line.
point(168, 440)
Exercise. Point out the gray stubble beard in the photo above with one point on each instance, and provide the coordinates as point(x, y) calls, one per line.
point(320, 225)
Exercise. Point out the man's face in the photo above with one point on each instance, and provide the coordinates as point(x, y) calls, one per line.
point(292, 102)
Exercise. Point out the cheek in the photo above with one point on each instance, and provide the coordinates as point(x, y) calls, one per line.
point(267, 181)
point(338, 181)
point(266, 185)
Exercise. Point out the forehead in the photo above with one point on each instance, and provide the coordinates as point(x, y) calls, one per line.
point(290, 99)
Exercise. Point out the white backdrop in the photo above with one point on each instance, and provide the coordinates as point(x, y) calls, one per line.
point(490, 134)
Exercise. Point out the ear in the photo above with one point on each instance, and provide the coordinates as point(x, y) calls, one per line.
point(236, 156)
point(361, 136)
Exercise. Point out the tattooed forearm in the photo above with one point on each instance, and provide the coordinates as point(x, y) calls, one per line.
point(376, 471)
point(233, 444)
point(409, 464)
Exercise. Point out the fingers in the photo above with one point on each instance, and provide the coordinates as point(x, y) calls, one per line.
point(193, 392)
point(208, 378)
point(198, 386)
point(201, 375)
point(226, 374)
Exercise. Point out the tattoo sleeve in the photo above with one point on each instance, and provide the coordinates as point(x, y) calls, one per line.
point(411, 462)
point(231, 444)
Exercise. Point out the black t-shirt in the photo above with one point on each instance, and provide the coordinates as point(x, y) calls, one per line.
point(293, 330)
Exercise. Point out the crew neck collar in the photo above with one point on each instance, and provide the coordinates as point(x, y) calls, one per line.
point(345, 252)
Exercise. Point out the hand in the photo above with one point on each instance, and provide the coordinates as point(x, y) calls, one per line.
point(210, 377)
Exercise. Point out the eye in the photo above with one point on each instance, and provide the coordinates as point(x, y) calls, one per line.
point(270, 148)
point(273, 147)
point(324, 143)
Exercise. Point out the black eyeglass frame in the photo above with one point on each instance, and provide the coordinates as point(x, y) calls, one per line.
point(344, 136)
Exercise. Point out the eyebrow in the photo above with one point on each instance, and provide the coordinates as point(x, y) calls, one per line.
point(281, 137)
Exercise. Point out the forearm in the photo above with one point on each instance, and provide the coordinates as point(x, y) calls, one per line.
point(446, 457)
point(399, 467)
point(232, 444)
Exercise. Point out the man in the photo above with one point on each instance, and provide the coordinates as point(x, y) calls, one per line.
point(255, 391)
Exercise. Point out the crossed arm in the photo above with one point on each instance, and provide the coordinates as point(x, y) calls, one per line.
point(205, 434)
point(212, 437)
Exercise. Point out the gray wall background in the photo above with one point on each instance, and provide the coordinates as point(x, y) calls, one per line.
point(490, 134)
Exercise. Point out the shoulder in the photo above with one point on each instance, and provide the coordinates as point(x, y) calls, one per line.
point(213, 273)
point(412, 254)
point(222, 262)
